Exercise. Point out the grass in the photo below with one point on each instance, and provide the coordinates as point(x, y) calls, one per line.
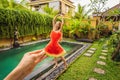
point(82, 68)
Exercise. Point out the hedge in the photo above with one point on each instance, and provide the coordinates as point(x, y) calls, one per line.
point(27, 23)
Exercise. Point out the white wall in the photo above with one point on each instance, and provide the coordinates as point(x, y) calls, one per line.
point(55, 5)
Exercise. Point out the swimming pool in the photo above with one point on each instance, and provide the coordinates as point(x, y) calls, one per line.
point(10, 58)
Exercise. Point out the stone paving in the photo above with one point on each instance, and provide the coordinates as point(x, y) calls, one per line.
point(90, 51)
point(94, 49)
point(88, 54)
point(99, 71)
point(101, 63)
point(105, 51)
point(104, 54)
point(92, 78)
point(102, 57)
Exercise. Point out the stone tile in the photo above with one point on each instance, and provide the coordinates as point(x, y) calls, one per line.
point(102, 57)
point(99, 71)
point(104, 54)
point(93, 49)
point(105, 51)
point(92, 78)
point(90, 51)
point(106, 48)
point(101, 63)
point(88, 54)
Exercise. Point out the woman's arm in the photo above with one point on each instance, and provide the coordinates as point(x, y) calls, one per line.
point(62, 23)
point(54, 20)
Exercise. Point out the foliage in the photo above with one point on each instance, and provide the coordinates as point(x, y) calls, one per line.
point(114, 39)
point(12, 4)
point(28, 23)
point(70, 14)
point(81, 13)
point(67, 27)
point(102, 26)
point(114, 12)
point(85, 28)
point(103, 29)
point(75, 26)
point(97, 5)
point(114, 19)
point(50, 10)
point(78, 29)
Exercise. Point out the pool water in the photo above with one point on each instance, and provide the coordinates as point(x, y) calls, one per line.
point(10, 58)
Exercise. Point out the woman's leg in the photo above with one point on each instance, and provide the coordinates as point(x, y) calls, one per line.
point(56, 64)
point(64, 61)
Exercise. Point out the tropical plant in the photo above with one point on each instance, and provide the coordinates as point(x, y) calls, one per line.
point(27, 22)
point(50, 10)
point(12, 4)
point(114, 42)
point(70, 14)
point(103, 29)
point(81, 13)
point(97, 6)
point(113, 20)
point(75, 27)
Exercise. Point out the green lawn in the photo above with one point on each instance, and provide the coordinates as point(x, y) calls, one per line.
point(82, 68)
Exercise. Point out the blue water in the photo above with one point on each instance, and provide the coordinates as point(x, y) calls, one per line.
point(10, 58)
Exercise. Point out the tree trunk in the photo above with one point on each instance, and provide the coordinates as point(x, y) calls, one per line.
point(116, 51)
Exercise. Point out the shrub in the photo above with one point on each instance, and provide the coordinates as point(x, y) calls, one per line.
point(27, 22)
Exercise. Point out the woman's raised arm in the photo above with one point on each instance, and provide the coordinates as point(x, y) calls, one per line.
point(54, 19)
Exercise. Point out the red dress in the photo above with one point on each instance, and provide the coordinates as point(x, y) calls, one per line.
point(54, 48)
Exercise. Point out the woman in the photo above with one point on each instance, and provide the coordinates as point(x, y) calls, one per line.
point(54, 48)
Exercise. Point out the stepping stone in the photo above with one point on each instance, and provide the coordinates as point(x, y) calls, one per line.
point(88, 54)
point(104, 54)
point(92, 78)
point(93, 49)
point(105, 48)
point(99, 71)
point(101, 63)
point(90, 51)
point(105, 51)
point(102, 57)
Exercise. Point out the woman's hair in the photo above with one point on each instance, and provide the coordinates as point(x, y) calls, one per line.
point(58, 25)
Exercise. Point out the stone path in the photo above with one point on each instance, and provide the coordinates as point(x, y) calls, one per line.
point(101, 63)
point(94, 49)
point(99, 71)
point(90, 52)
point(92, 78)
point(105, 51)
point(102, 57)
point(105, 54)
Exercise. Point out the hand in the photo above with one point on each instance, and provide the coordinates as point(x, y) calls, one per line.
point(31, 59)
point(26, 65)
